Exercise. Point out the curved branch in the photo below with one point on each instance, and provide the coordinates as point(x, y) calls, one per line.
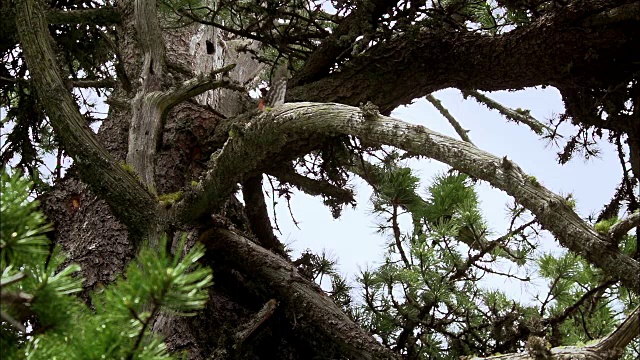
point(296, 293)
point(128, 199)
point(552, 50)
point(258, 216)
point(289, 125)
point(311, 186)
point(623, 226)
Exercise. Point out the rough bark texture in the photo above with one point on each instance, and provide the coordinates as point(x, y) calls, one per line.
point(170, 147)
point(554, 50)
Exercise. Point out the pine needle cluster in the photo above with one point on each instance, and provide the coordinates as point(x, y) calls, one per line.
point(42, 318)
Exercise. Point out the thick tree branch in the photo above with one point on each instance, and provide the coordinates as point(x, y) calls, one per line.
point(129, 201)
point(359, 22)
point(103, 16)
point(627, 12)
point(296, 293)
point(272, 132)
point(555, 50)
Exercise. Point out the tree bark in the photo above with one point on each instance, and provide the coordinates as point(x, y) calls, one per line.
point(167, 140)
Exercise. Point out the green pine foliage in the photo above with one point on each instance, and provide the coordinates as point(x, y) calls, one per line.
point(43, 319)
point(426, 299)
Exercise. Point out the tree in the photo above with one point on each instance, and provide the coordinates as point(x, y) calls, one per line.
point(182, 133)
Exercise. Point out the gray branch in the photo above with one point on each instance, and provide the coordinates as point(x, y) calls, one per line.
point(623, 226)
point(456, 125)
point(286, 126)
point(196, 86)
point(515, 115)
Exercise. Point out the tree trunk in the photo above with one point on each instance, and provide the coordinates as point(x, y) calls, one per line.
point(179, 138)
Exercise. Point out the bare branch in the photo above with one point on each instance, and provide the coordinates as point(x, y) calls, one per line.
point(623, 226)
point(456, 125)
point(258, 320)
point(272, 132)
point(313, 187)
point(197, 86)
point(258, 216)
point(515, 115)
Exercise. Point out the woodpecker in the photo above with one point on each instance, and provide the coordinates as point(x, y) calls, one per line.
point(277, 90)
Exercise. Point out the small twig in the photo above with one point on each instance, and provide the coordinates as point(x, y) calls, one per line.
point(515, 115)
point(571, 309)
point(255, 323)
point(623, 226)
point(456, 125)
point(273, 206)
point(8, 318)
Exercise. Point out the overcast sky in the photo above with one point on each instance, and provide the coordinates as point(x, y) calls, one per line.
point(353, 238)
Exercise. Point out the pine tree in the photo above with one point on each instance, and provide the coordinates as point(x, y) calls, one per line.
point(43, 319)
point(183, 148)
